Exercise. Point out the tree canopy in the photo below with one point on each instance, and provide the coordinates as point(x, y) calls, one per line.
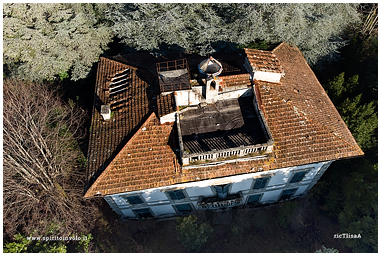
point(206, 28)
point(46, 41)
point(42, 41)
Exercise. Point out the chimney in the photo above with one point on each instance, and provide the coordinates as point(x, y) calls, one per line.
point(106, 112)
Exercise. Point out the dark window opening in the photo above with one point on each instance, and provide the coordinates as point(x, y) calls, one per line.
point(254, 199)
point(184, 209)
point(134, 200)
point(261, 182)
point(287, 194)
point(298, 176)
point(213, 85)
point(176, 194)
point(143, 213)
point(222, 190)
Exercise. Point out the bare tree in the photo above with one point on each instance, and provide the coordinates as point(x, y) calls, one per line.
point(43, 184)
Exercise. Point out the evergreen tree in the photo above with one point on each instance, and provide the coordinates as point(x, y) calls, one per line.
point(360, 116)
point(45, 41)
point(206, 28)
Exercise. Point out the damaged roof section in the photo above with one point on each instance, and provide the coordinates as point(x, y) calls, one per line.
point(225, 124)
point(173, 75)
point(229, 128)
point(291, 122)
point(129, 108)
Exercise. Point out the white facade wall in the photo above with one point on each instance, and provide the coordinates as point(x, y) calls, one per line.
point(169, 118)
point(128, 213)
point(301, 190)
point(260, 75)
point(267, 76)
point(271, 196)
point(196, 191)
point(194, 98)
point(161, 205)
point(234, 94)
point(186, 98)
point(182, 98)
point(166, 209)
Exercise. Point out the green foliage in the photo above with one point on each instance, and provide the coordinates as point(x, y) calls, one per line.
point(207, 28)
point(260, 45)
point(192, 235)
point(337, 88)
point(360, 117)
point(286, 212)
point(63, 75)
point(47, 40)
point(359, 214)
point(327, 250)
point(20, 245)
point(349, 195)
point(49, 247)
point(83, 244)
point(25, 244)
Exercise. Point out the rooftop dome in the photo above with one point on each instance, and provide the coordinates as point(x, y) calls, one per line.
point(210, 67)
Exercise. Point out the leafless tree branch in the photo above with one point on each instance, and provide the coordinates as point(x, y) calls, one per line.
point(41, 182)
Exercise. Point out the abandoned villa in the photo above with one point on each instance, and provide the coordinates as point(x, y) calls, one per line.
point(190, 134)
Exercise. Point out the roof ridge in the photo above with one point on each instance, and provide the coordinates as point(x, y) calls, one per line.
point(282, 43)
point(115, 61)
point(105, 171)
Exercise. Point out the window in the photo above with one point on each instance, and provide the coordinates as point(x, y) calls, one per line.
point(176, 194)
point(183, 209)
point(134, 199)
point(261, 182)
point(222, 190)
point(286, 194)
point(254, 199)
point(213, 85)
point(298, 176)
point(143, 213)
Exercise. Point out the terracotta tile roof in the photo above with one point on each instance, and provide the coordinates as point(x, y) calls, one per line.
point(300, 138)
point(230, 67)
point(303, 90)
point(166, 104)
point(263, 61)
point(304, 124)
point(235, 80)
point(107, 138)
point(146, 161)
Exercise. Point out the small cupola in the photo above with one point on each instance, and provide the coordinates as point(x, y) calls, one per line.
point(210, 67)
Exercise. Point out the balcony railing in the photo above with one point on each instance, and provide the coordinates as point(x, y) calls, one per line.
point(218, 202)
point(227, 154)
